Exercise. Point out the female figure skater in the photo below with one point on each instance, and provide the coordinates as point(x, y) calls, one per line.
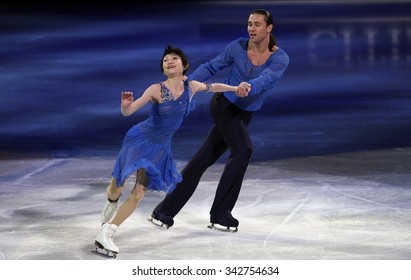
point(146, 146)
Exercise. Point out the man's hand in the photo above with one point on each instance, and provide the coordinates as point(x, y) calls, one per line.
point(243, 89)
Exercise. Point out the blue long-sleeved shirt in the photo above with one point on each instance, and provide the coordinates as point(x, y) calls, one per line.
point(263, 78)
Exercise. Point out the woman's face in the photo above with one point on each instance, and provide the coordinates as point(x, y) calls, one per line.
point(172, 65)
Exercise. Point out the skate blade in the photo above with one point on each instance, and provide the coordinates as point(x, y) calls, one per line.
point(222, 228)
point(158, 223)
point(104, 253)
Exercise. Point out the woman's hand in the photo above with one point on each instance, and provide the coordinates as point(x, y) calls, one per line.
point(126, 98)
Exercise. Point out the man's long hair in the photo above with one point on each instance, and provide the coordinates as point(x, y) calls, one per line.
point(269, 20)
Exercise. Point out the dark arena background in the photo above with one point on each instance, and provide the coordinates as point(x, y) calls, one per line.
point(330, 175)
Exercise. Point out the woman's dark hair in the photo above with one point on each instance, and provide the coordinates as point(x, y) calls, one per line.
point(269, 20)
point(170, 49)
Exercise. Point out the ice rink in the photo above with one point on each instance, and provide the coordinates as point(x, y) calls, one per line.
point(350, 206)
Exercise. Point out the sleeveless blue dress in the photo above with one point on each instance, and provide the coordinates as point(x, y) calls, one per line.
point(147, 144)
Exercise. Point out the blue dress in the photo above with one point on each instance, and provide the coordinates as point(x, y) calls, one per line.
point(148, 144)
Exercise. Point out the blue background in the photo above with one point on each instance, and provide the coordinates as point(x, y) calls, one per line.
point(63, 67)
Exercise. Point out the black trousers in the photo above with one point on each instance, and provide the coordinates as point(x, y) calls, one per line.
point(228, 132)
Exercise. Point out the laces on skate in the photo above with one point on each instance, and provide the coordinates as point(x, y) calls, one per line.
point(109, 210)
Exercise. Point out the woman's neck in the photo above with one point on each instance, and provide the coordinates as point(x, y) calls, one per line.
point(174, 83)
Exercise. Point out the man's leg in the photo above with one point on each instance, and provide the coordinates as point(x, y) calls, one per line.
point(232, 125)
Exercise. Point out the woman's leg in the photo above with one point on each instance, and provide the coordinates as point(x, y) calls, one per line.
point(130, 205)
point(113, 194)
point(104, 239)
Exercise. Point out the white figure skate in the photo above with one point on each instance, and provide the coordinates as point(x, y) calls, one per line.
point(104, 241)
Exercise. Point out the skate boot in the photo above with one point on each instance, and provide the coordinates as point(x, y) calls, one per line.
point(161, 220)
point(226, 223)
point(104, 241)
point(109, 210)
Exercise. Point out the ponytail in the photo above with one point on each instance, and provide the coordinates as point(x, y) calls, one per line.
point(272, 42)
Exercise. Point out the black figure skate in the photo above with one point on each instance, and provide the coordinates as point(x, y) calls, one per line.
point(225, 223)
point(161, 220)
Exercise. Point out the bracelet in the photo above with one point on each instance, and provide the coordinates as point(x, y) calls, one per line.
point(209, 86)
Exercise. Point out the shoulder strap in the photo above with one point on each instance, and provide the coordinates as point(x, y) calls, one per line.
point(187, 87)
